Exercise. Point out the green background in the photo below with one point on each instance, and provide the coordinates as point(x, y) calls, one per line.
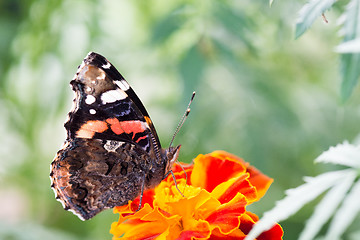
point(261, 95)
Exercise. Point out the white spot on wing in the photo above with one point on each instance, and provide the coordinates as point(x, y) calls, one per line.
point(107, 65)
point(112, 146)
point(122, 84)
point(92, 111)
point(101, 75)
point(113, 96)
point(90, 99)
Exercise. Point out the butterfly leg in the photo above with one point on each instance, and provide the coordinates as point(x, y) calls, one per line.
point(173, 176)
point(142, 192)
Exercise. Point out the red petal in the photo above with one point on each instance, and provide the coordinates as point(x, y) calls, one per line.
point(249, 219)
point(276, 232)
point(180, 167)
point(148, 197)
point(189, 235)
point(210, 171)
point(181, 171)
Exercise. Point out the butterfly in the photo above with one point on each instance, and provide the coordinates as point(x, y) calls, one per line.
point(112, 152)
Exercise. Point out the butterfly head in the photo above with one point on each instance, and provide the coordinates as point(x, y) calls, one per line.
point(171, 154)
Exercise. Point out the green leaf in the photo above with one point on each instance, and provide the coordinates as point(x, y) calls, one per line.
point(271, 2)
point(325, 209)
point(350, 72)
point(308, 14)
point(344, 154)
point(296, 198)
point(352, 46)
point(166, 26)
point(350, 62)
point(346, 214)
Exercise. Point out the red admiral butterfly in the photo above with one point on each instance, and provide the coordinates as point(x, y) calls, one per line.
point(112, 152)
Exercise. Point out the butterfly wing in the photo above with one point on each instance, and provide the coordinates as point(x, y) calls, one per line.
point(106, 107)
point(89, 176)
point(111, 144)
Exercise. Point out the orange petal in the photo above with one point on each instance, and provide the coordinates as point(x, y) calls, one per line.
point(200, 230)
point(144, 224)
point(192, 210)
point(186, 207)
point(166, 193)
point(227, 216)
point(259, 180)
point(235, 235)
point(127, 213)
point(225, 191)
point(132, 219)
point(132, 206)
point(137, 230)
point(210, 171)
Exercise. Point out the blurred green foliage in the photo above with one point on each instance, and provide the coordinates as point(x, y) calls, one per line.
point(260, 94)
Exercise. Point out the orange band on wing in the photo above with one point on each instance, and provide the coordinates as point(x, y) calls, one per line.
point(115, 125)
point(141, 138)
point(133, 126)
point(89, 129)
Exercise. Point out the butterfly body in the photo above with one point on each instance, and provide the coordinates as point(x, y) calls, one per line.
point(112, 152)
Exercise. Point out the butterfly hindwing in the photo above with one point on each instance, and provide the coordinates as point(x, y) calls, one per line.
point(90, 175)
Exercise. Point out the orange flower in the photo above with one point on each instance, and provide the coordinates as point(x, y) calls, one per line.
point(217, 190)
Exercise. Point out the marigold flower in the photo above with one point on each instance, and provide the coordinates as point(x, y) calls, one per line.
point(217, 190)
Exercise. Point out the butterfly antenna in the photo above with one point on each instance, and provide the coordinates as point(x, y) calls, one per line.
point(182, 120)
